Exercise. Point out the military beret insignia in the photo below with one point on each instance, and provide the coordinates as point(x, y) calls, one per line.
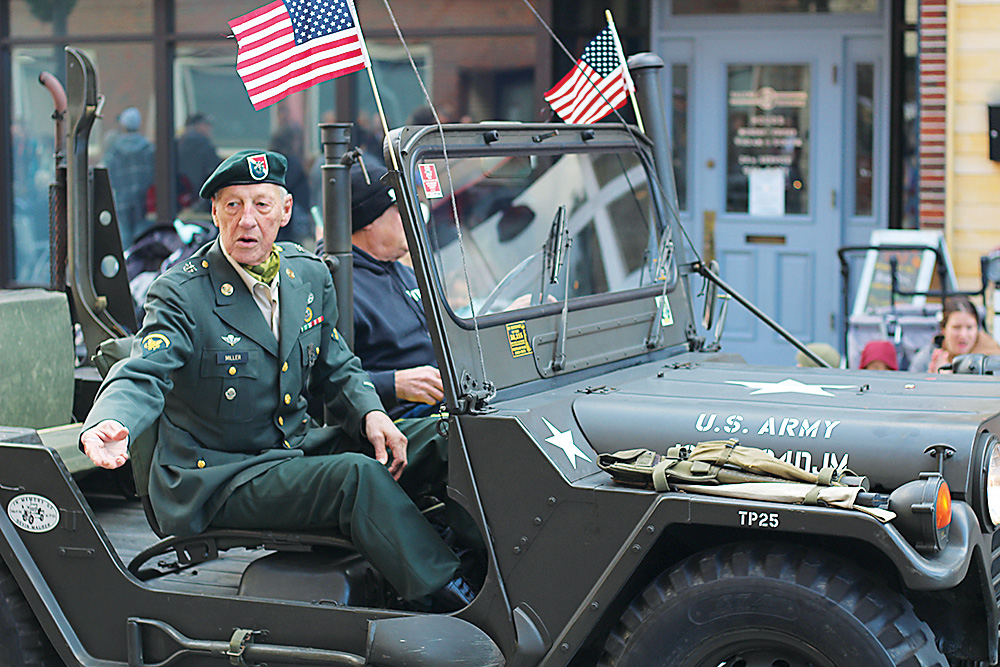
point(154, 342)
point(258, 166)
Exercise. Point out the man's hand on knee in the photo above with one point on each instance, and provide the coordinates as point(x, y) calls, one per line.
point(419, 385)
point(385, 438)
point(106, 444)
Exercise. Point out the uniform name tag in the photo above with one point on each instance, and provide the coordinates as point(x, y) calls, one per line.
point(231, 357)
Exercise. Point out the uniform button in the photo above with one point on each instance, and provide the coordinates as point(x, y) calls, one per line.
point(201, 464)
point(317, 349)
point(232, 370)
point(287, 445)
point(204, 264)
point(230, 394)
point(284, 367)
point(288, 399)
point(281, 421)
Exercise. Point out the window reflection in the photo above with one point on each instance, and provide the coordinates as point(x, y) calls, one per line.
point(768, 143)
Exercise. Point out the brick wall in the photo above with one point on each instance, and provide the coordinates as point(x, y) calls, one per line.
point(933, 43)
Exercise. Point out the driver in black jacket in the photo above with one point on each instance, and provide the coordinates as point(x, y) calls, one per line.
point(390, 330)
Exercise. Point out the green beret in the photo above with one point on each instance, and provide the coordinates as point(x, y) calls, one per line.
point(246, 168)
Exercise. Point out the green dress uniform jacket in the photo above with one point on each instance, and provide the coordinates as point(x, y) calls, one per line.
point(231, 400)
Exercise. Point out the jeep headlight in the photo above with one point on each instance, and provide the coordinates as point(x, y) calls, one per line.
point(993, 481)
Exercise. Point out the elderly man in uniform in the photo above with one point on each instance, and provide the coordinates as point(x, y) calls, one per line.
point(232, 342)
point(390, 329)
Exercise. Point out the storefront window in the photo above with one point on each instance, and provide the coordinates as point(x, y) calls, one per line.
point(125, 75)
point(768, 142)
point(53, 18)
point(687, 7)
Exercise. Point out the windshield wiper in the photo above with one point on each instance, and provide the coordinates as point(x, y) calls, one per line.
point(557, 252)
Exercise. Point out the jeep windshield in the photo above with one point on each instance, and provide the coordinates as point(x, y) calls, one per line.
point(538, 227)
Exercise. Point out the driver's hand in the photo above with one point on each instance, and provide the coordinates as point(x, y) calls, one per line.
point(419, 385)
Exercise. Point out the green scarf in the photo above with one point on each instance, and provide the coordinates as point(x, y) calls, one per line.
point(267, 270)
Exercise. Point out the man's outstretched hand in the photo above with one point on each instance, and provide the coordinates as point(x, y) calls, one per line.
point(384, 435)
point(106, 444)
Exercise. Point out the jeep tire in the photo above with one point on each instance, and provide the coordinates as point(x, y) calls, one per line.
point(22, 642)
point(764, 604)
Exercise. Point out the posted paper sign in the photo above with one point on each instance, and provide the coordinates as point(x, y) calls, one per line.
point(767, 191)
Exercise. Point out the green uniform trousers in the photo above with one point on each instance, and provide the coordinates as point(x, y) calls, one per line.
point(347, 489)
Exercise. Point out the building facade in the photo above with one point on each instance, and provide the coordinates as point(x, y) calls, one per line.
point(799, 126)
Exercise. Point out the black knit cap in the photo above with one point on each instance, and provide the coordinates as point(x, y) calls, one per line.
point(371, 198)
point(246, 168)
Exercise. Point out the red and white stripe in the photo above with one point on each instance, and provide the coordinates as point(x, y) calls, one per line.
point(582, 96)
point(273, 67)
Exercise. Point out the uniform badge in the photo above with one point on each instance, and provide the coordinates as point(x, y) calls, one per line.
point(230, 394)
point(231, 339)
point(290, 273)
point(310, 298)
point(189, 267)
point(258, 166)
point(154, 342)
point(310, 322)
point(226, 289)
point(298, 247)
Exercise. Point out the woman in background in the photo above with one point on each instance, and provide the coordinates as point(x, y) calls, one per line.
point(960, 334)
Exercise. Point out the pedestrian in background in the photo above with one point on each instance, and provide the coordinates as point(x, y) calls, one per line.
point(130, 160)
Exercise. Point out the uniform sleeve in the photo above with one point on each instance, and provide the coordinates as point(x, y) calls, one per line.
point(348, 392)
point(135, 389)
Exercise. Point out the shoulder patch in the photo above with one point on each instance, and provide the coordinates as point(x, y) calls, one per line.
point(153, 342)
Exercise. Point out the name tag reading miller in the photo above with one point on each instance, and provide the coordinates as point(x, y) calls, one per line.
point(231, 357)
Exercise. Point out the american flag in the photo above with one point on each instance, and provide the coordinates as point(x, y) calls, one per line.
point(289, 45)
point(596, 86)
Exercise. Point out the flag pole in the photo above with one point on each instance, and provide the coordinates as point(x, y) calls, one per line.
point(628, 78)
point(371, 78)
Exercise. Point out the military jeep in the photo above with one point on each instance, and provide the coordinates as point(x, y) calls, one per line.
point(561, 306)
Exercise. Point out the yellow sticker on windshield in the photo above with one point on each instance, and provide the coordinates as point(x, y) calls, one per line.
point(517, 336)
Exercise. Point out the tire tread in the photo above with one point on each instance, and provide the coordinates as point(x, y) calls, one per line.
point(889, 617)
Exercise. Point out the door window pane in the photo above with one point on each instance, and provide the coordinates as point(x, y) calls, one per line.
point(683, 7)
point(864, 137)
point(768, 140)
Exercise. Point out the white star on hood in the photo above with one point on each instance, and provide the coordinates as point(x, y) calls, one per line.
point(790, 387)
point(564, 441)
